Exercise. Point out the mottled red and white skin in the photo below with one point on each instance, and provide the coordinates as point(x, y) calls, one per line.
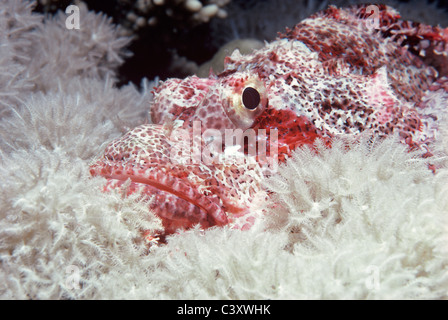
point(332, 74)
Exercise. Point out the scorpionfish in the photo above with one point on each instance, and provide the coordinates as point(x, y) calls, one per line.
point(342, 71)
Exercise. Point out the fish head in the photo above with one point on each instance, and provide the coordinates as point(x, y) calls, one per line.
point(157, 162)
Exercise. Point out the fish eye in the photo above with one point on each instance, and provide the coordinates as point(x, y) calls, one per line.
point(244, 98)
point(251, 98)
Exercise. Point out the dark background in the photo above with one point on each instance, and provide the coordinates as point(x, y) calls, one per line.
point(153, 46)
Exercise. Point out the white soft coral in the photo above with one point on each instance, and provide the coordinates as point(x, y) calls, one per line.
point(360, 220)
point(94, 51)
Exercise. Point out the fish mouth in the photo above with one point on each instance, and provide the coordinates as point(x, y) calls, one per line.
point(176, 201)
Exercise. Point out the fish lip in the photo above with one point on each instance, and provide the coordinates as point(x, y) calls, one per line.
point(215, 213)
